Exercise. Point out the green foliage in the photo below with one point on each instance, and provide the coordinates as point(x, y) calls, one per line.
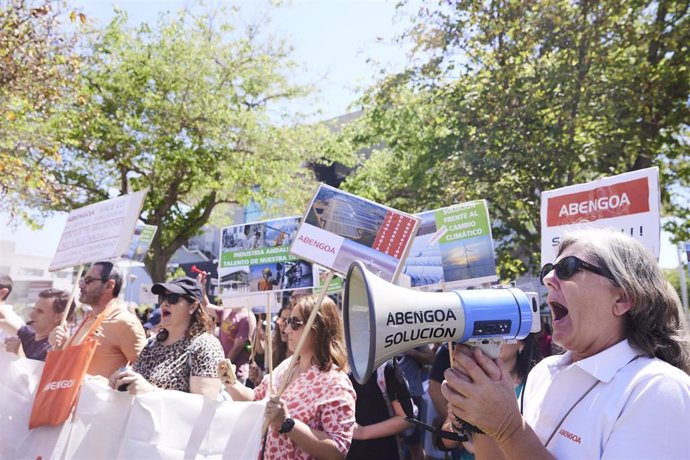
point(673, 276)
point(510, 98)
point(37, 65)
point(182, 111)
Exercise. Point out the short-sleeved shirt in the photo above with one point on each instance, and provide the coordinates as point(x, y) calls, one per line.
point(120, 337)
point(371, 408)
point(235, 325)
point(324, 401)
point(33, 349)
point(639, 408)
point(171, 366)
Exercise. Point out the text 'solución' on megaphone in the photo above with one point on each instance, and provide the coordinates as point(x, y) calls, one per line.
point(383, 320)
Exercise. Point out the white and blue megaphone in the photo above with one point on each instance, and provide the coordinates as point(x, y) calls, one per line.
point(383, 320)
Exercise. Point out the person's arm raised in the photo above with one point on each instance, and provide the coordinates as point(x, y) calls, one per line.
point(10, 322)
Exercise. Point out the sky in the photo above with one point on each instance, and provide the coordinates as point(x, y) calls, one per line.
point(333, 40)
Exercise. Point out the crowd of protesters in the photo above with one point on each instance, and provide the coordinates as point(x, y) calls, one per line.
point(189, 344)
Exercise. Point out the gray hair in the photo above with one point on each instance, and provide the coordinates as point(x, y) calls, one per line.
point(654, 324)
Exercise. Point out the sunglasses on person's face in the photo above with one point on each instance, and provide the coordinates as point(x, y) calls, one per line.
point(172, 299)
point(90, 279)
point(568, 266)
point(294, 322)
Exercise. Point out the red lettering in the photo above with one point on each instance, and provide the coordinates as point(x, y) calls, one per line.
point(616, 200)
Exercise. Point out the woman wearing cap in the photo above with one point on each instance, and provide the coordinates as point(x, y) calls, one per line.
point(184, 355)
point(315, 416)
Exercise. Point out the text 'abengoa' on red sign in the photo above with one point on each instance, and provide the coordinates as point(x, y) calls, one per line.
point(622, 199)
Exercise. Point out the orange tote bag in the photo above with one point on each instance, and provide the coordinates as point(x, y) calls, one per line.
point(61, 380)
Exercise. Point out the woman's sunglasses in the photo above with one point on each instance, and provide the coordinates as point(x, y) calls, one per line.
point(172, 299)
point(294, 322)
point(568, 266)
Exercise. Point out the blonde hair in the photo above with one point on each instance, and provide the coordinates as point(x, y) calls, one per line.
point(654, 324)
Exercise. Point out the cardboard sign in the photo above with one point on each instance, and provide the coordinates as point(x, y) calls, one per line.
point(628, 202)
point(99, 231)
point(255, 257)
point(453, 248)
point(339, 228)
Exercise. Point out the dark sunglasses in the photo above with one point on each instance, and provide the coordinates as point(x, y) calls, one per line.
point(294, 322)
point(568, 266)
point(172, 299)
point(89, 279)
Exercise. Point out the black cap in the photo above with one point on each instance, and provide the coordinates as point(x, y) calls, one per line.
point(187, 286)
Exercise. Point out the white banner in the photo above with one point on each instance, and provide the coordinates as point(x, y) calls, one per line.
point(110, 424)
point(628, 202)
point(99, 231)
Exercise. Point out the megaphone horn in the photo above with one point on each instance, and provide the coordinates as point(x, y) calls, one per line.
point(383, 320)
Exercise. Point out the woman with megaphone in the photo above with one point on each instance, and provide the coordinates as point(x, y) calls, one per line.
point(622, 388)
point(519, 357)
point(315, 415)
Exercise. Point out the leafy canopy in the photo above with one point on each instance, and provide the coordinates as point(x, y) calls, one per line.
point(505, 99)
point(183, 111)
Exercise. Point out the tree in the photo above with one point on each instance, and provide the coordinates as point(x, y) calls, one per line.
point(38, 65)
point(510, 98)
point(182, 111)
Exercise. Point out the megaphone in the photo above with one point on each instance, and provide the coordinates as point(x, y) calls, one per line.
point(383, 320)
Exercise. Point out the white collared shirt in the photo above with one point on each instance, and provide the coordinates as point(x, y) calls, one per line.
point(639, 409)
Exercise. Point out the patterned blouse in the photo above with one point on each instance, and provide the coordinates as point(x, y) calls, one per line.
point(323, 400)
point(171, 366)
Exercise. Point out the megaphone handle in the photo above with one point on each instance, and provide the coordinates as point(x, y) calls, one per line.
point(492, 348)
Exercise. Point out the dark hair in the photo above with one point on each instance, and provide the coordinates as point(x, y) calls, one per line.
point(280, 348)
point(60, 299)
point(329, 339)
point(6, 283)
point(108, 272)
point(528, 357)
point(654, 324)
point(200, 321)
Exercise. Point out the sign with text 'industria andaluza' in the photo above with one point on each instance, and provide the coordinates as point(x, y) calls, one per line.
point(255, 257)
point(339, 228)
point(99, 231)
point(628, 202)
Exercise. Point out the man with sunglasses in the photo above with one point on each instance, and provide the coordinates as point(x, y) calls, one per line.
point(621, 389)
point(121, 336)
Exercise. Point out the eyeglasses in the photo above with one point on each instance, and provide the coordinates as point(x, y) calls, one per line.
point(568, 266)
point(172, 299)
point(294, 322)
point(89, 279)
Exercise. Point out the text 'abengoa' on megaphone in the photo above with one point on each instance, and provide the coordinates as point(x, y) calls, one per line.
point(383, 320)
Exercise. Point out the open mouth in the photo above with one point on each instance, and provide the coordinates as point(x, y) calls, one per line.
point(559, 311)
point(165, 313)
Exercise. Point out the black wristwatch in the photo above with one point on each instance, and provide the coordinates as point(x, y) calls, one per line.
point(287, 426)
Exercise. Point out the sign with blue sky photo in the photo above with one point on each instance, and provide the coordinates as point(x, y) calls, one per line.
point(453, 248)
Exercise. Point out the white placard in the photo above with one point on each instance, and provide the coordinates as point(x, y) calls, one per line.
point(99, 231)
point(628, 202)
